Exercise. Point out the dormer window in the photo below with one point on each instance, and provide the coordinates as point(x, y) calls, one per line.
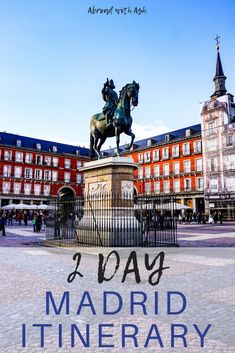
point(54, 148)
point(188, 133)
point(38, 146)
point(18, 143)
point(77, 152)
point(167, 138)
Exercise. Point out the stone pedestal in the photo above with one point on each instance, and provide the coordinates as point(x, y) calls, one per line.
point(108, 218)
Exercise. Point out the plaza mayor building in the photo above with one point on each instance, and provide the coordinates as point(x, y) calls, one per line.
point(196, 164)
point(33, 170)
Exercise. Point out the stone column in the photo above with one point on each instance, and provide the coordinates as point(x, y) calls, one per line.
point(108, 218)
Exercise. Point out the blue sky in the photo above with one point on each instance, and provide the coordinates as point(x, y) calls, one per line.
point(55, 58)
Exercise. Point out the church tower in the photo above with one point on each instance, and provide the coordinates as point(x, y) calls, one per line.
point(218, 140)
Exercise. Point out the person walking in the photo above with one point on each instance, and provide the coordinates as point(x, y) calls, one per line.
point(221, 217)
point(2, 225)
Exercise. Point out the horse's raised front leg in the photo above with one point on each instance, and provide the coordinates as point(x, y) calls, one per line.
point(117, 134)
point(130, 133)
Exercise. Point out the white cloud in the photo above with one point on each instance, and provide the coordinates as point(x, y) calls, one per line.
point(145, 130)
point(68, 142)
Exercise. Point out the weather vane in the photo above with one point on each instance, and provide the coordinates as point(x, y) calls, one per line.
point(217, 42)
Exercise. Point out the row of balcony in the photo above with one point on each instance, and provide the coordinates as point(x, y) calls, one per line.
point(152, 160)
point(192, 172)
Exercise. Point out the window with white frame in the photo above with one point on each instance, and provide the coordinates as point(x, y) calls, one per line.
point(28, 173)
point(176, 185)
point(38, 174)
point(176, 167)
point(140, 173)
point(47, 174)
point(166, 186)
point(198, 164)
point(6, 187)
point(18, 143)
point(165, 153)
point(46, 190)
point(140, 158)
point(186, 149)
point(230, 183)
point(7, 155)
point(79, 164)
point(67, 163)
point(156, 155)
point(147, 156)
point(211, 145)
point(17, 188)
point(55, 161)
point(175, 151)
point(199, 184)
point(230, 162)
point(67, 177)
point(166, 169)
point(211, 127)
point(214, 185)
point(197, 146)
point(147, 172)
point(54, 175)
point(6, 170)
point(18, 172)
point(27, 189)
point(147, 188)
point(156, 170)
point(229, 140)
point(78, 178)
point(47, 160)
point(37, 189)
point(28, 158)
point(38, 160)
point(19, 157)
point(187, 166)
point(213, 165)
point(157, 187)
point(187, 184)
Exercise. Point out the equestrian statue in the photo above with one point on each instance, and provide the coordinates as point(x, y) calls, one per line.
point(115, 117)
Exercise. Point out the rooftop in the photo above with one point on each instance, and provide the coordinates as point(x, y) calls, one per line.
point(19, 141)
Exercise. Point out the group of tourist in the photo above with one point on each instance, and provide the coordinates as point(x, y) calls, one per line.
point(38, 218)
point(199, 218)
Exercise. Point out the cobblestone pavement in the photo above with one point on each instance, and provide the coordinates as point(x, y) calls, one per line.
point(205, 276)
point(21, 236)
point(189, 235)
point(201, 235)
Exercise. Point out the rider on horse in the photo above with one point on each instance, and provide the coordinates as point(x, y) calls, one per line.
point(111, 99)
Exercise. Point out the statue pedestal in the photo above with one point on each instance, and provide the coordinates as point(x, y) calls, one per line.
point(108, 218)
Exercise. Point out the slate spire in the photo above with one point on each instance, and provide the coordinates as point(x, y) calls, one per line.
point(219, 79)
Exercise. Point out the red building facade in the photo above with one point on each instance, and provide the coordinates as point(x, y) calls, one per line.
point(32, 170)
point(172, 164)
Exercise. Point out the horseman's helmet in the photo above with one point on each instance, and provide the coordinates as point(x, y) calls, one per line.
point(111, 84)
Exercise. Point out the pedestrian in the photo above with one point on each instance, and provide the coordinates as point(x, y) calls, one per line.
point(34, 224)
point(25, 218)
point(2, 225)
point(215, 217)
point(210, 220)
point(221, 217)
point(10, 218)
point(38, 222)
point(180, 218)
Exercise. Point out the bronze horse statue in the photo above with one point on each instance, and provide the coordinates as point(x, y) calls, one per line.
point(122, 121)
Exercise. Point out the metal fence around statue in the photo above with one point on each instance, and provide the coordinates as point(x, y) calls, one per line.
point(114, 220)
